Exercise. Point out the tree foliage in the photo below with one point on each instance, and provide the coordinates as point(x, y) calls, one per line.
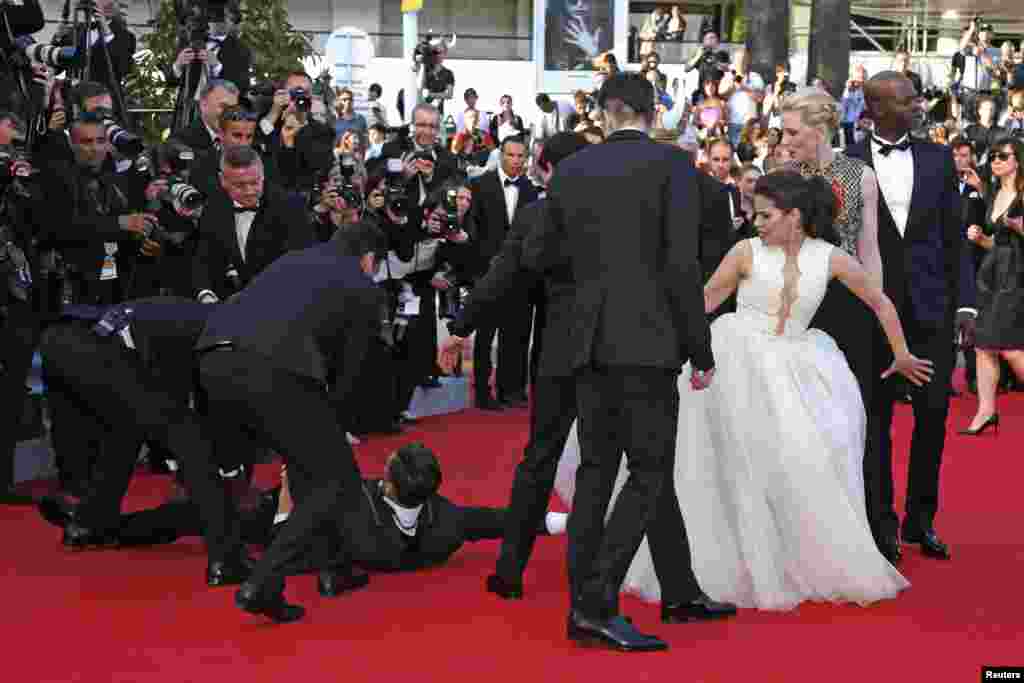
point(276, 47)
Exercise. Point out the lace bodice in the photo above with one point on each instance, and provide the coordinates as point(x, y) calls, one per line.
point(845, 174)
point(775, 296)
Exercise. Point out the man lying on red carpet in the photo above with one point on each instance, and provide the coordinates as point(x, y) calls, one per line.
point(402, 523)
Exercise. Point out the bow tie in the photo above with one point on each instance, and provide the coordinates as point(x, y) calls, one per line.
point(512, 181)
point(246, 209)
point(885, 148)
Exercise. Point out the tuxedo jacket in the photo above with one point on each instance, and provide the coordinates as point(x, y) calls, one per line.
point(928, 271)
point(490, 214)
point(624, 215)
point(975, 212)
point(312, 313)
point(281, 225)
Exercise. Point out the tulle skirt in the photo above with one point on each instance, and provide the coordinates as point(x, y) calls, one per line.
point(769, 476)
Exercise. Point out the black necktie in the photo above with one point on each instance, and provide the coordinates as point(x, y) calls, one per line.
point(885, 148)
point(514, 182)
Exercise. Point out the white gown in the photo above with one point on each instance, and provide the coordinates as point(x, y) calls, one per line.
point(768, 464)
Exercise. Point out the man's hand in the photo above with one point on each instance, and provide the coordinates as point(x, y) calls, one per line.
point(58, 120)
point(440, 282)
point(409, 168)
point(434, 221)
point(700, 379)
point(966, 324)
point(459, 237)
point(21, 169)
point(448, 353)
point(425, 167)
point(185, 57)
point(972, 178)
point(975, 234)
point(135, 223)
point(150, 248)
point(156, 188)
point(1016, 224)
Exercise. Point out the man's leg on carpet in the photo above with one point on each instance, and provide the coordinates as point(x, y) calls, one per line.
point(551, 417)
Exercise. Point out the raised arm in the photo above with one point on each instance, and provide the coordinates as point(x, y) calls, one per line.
point(727, 276)
point(867, 243)
point(843, 267)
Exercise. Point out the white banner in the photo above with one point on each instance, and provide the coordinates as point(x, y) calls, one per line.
point(349, 53)
point(569, 34)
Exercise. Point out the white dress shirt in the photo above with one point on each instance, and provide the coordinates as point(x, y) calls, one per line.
point(895, 173)
point(243, 224)
point(511, 194)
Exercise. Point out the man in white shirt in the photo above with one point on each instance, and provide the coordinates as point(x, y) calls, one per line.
point(928, 275)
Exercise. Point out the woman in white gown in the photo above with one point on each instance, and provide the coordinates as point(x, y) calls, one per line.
point(768, 467)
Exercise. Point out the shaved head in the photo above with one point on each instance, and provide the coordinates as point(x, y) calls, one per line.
point(878, 84)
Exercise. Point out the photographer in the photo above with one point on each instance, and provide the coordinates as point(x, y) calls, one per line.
point(111, 45)
point(23, 20)
point(348, 119)
point(298, 145)
point(341, 201)
point(92, 239)
point(207, 50)
point(772, 103)
point(246, 225)
point(974, 67)
point(420, 263)
point(709, 60)
point(438, 81)
point(177, 205)
point(19, 320)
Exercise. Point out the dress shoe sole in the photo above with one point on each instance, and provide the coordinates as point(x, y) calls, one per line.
point(594, 641)
point(711, 616)
point(278, 612)
point(505, 591)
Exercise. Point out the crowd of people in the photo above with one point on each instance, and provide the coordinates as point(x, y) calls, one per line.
point(269, 281)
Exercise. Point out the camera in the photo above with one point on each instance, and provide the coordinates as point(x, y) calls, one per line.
point(15, 180)
point(395, 199)
point(425, 53)
point(126, 143)
point(195, 17)
point(14, 266)
point(301, 98)
point(348, 191)
point(53, 56)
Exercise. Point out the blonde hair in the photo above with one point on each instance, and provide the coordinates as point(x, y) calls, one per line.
point(816, 107)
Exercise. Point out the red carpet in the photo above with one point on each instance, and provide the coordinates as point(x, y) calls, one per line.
point(146, 616)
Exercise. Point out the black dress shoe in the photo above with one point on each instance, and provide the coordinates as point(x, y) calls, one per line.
point(617, 633)
point(56, 510)
point(890, 549)
point(929, 541)
point(253, 600)
point(332, 583)
point(228, 572)
point(701, 609)
point(77, 537)
point(503, 588)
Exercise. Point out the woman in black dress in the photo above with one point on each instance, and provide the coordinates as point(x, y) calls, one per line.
point(1000, 331)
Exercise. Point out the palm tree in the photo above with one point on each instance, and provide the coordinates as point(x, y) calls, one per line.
point(829, 51)
point(767, 34)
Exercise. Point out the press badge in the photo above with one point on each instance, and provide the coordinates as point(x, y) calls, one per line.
point(109, 270)
point(411, 306)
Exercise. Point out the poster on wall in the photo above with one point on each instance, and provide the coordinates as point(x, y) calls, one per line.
point(349, 52)
point(568, 35)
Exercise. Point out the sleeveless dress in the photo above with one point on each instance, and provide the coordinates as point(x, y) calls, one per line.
point(768, 464)
point(1001, 287)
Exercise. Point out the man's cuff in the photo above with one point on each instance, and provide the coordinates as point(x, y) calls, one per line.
point(972, 311)
point(178, 70)
point(267, 126)
point(207, 296)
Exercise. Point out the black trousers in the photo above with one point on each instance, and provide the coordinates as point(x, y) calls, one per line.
point(931, 408)
point(294, 416)
point(19, 334)
point(551, 416)
point(102, 383)
point(633, 410)
point(513, 349)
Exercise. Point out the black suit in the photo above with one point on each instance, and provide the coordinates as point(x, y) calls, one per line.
point(309, 317)
point(553, 409)
point(973, 214)
point(368, 534)
point(130, 393)
point(619, 213)
point(928, 275)
point(281, 225)
point(717, 235)
point(489, 215)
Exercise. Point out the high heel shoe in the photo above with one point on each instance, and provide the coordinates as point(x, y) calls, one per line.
point(991, 421)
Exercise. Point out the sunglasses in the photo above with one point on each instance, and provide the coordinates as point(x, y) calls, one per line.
point(239, 115)
point(1003, 156)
